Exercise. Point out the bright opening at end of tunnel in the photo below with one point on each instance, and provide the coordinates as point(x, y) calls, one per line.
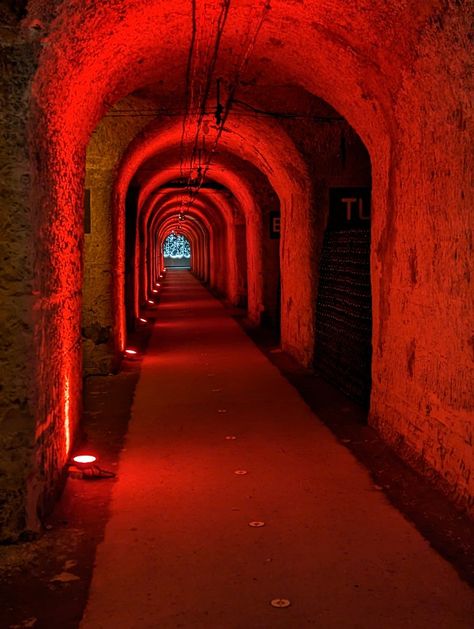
point(177, 251)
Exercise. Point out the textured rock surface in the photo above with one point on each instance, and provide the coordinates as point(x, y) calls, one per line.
point(19, 484)
point(104, 152)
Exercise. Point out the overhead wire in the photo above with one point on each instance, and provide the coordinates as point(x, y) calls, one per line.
point(202, 88)
point(221, 21)
point(248, 47)
point(188, 80)
point(198, 110)
point(253, 112)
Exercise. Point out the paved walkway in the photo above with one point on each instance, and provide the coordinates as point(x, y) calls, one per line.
point(178, 549)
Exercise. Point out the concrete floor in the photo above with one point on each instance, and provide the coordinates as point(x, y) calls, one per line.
point(178, 549)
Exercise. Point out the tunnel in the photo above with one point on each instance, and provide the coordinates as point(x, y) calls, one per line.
point(190, 189)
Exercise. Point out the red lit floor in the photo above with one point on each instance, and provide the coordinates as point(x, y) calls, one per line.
point(178, 549)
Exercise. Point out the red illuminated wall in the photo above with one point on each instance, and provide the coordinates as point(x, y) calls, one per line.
point(405, 90)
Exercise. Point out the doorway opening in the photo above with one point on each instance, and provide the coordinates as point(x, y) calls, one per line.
point(344, 307)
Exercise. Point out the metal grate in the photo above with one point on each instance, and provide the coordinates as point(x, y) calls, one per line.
point(344, 319)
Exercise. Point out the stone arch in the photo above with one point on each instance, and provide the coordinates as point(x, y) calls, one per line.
point(383, 84)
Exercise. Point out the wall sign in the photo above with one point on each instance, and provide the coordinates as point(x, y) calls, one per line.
point(349, 208)
point(274, 218)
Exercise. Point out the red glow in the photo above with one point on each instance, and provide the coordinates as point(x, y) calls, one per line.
point(67, 417)
point(84, 460)
point(76, 82)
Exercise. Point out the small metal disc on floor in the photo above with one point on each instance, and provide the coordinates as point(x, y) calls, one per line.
point(257, 524)
point(280, 602)
point(222, 410)
point(240, 472)
point(231, 437)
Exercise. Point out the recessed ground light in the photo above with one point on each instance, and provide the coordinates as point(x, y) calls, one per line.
point(256, 524)
point(85, 466)
point(84, 461)
point(240, 472)
point(280, 602)
point(150, 301)
point(154, 290)
point(131, 352)
point(143, 320)
point(231, 437)
point(158, 284)
point(161, 275)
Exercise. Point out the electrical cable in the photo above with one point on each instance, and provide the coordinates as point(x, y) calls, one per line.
point(254, 113)
point(248, 48)
point(204, 89)
point(188, 80)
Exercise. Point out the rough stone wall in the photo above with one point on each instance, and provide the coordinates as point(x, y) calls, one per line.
point(97, 306)
point(104, 152)
point(58, 287)
point(18, 482)
point(423, 402)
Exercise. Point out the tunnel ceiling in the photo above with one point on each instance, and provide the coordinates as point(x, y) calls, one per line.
point(168, 164)
point(264, 65)
point(107, 50)
point(251, 151)
point(287, 104)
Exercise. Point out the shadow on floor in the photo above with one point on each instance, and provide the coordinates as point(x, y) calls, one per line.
point(449, 531)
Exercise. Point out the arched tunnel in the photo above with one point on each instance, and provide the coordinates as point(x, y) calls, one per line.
point(257, 216)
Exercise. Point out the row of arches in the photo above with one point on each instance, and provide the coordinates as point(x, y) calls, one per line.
point(95, 76)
